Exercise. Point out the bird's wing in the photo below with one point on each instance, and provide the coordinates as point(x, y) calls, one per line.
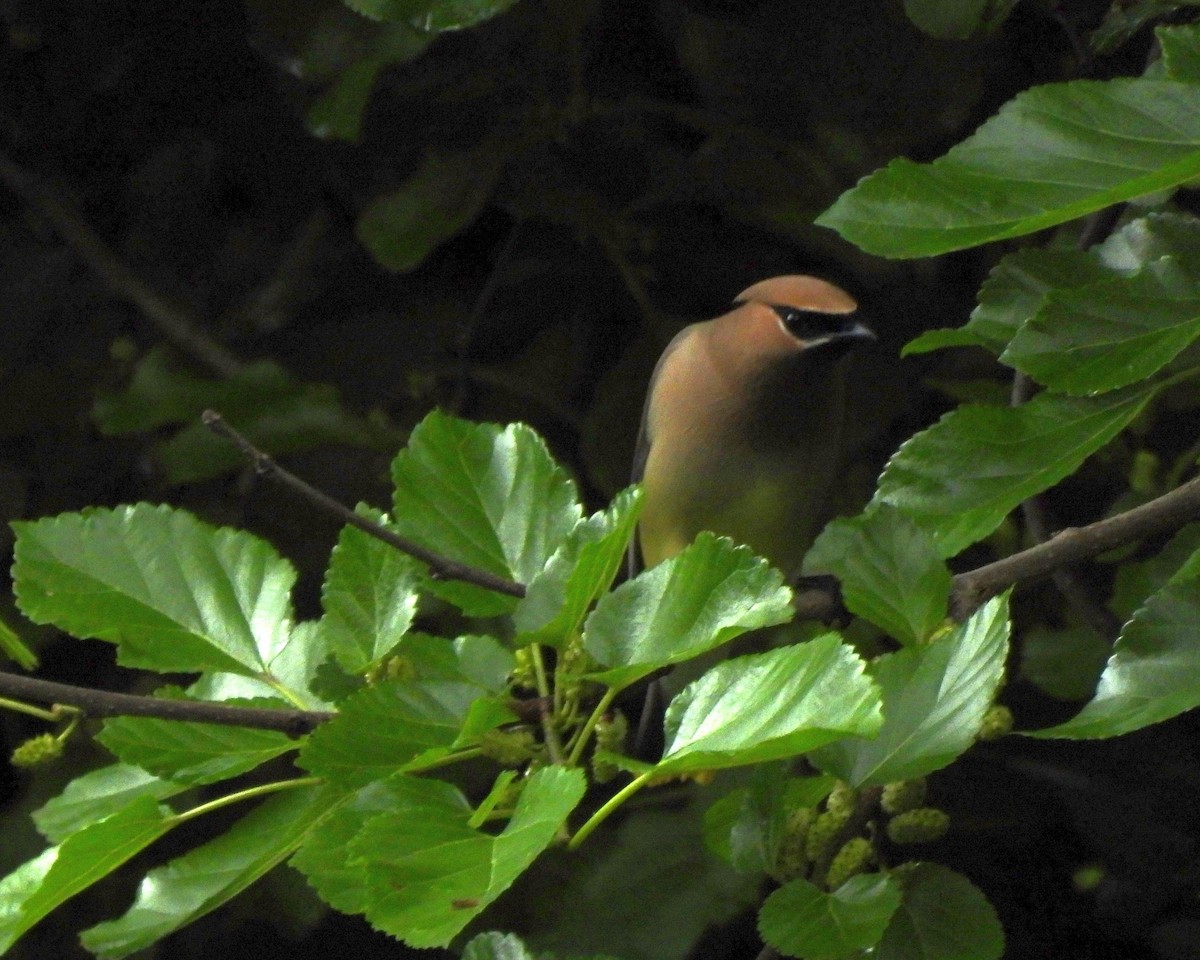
point(641, 451)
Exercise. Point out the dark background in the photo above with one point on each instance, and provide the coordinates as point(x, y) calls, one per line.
point(628, 166)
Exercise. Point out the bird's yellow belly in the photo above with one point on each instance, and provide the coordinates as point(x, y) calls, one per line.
point(772, 508)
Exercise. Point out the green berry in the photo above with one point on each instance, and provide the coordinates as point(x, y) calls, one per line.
point(923, 825)
point(841, 799)
point(903, 795)
point(852, 859)
point(391, 668)
point(509, 748)
point(574, 659)
point(524, 674)
point(611, 730)
point(790, 860)
point(823, 832)
point(997, 722)
point(37, 750)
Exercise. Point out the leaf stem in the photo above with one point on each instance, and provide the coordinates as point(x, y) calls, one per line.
point(451, 758)
point(549, 730)
point(439, 566)
point(240, 795)
point(585, 732)
point(50, 716)
point(608, 809)
point(283, 690)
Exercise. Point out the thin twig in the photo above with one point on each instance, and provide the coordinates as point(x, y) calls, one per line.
point(440, 567)
point(1168, 512)
point(102, 703)
point(175, 323)
point(970, 590)
point(1069, 580)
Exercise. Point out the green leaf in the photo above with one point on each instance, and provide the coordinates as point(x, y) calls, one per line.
point(958, 19)
point(191, 753)
point(942, 916)
point(745, 827)
point(1135, 582)
point(174, 594)
point(434, 16)
point(1012, 293)
point(961, 477)
point(37, 887)
point(1180, 52)
point(1154, 671)
point(97, 795)
point(203, 879)
point(1018, 286)
point(1147, 239)
point(581, 569)
point(323, 858)
point(13, 647)
point(488, 496)
point(1064, 663)
point(394, 726)
point(429, 874)
point(444, 195)
point(889, 571)
point(934, 699)
point(337, 113)
point(1091, 339)
point(704, 596)
point(801, 920)
point(478, 660)
point(293, 670)
point(770, 706)
point(1122, 21)
point(273, 409)
point(369, 597)
point(1044, 159)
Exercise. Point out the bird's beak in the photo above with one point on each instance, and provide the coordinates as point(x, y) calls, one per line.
point(843, 340)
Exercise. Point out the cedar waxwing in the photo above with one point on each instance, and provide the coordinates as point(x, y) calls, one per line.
point(741, 431)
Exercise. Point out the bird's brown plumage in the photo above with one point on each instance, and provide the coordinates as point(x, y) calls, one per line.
point(742, 423)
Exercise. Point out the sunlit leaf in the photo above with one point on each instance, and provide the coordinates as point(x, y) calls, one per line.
point(429, 873)
point(888, 569)
point(488, 496)
point(770, 706)
point(369, 597)
point(961, 477)
point(703, 597)
point(173, 593)
point(1042, 160)
point(208, 876)
point(37, 887)
point(1154, 671)
point(934, 700)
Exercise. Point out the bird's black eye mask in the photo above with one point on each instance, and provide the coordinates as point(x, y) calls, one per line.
point(815, 324)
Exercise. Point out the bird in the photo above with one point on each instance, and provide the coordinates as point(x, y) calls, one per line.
point(741, 429)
